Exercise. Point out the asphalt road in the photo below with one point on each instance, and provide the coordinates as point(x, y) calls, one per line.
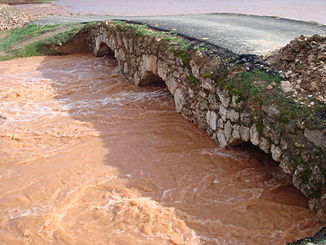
point(312, 10)
point(241, 34)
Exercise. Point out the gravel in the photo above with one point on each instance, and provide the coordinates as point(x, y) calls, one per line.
point(10, 17)
point(303, 63)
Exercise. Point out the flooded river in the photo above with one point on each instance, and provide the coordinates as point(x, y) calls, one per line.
point(86, 158)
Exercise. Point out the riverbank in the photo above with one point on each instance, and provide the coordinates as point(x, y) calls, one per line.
point(184, 51)
point(34, 40)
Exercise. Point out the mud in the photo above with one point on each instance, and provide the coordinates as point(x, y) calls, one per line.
point(87, 158)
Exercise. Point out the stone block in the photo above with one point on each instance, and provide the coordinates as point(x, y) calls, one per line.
point(244, 133)
point(223, 112)
point(254, 135)
point(221, 138)
point(276, 153)
point(232, 115)
point(179, 100)
point(211, 118)
point(264, 145)
point(228, 130)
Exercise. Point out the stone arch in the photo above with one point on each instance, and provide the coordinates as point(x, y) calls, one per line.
point(104, 50)
point(151, 79)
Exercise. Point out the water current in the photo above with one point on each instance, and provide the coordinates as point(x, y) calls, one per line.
point(87, 158)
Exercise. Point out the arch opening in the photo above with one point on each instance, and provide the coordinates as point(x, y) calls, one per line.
point(151, 79)
point(105, 50)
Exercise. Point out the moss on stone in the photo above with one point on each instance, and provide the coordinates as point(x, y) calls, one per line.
point(218, 74)
point(259, 123)
point(253, 84)
point(305, 175)
point(243, 84)
point(316, 193)
point(194, 82)
point(297, 162)
point(183, 55)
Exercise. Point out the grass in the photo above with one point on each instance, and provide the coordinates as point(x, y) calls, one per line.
point(194, 82)
point(139, 30)
point(246, 84)
point(178, 46)
point(251, 86)
point(43, 1)
point(34, 40)
point(21, 34)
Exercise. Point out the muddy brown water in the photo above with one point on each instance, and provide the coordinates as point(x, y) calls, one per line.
point(87, 158)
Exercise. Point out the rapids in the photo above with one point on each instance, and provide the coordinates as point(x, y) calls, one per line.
point(87, 158)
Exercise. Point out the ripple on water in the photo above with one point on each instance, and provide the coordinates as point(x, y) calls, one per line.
point(87, 158)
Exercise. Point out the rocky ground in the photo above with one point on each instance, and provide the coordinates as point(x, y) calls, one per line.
point(10, 17)
point(303, 66)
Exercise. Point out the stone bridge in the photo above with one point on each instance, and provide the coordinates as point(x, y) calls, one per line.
point(234, 98)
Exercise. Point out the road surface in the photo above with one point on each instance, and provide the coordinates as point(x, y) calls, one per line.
point(241, 34)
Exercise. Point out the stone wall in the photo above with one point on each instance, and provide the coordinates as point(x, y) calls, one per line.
point(234, 98)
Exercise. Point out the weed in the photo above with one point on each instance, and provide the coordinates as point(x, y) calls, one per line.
point(199, 49)
point(43, 46)
point(170, 38)
point(140, 30)
point(259, 123)
point(193, 81)
point(121, 22)
point(305, 175)
point(297, 162)
point(184, 56)
point(21, 34)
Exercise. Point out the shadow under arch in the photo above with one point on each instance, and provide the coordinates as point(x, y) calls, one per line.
point(151, 79)
point(104, 50)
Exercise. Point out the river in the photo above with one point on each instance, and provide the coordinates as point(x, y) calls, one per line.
point(87, 158)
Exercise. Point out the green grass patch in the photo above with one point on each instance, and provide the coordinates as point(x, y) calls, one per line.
point(194, 82)
point(18, 35)
point(43, 1)
point(246, 84)
point(251, 86)
point(140, 30)
point(42, 46)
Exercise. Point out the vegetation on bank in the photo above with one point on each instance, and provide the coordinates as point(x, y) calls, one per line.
point(34, 40)
point(263, 88)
